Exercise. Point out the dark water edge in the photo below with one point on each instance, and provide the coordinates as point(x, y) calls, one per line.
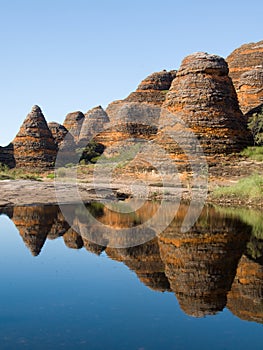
point(193, 290)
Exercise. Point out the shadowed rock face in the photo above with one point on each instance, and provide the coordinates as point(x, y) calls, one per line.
point(202, 96)
point(94, 123)
point(34, 145)
point(58, 132)
point(246, 70)
point(65, 143)
point(7, 156)
point(73, 123)
point(201, 264)
point(245, 300)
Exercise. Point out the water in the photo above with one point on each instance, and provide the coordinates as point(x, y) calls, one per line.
point(198, 290)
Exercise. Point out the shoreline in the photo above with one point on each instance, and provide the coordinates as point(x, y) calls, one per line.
point(29, 192)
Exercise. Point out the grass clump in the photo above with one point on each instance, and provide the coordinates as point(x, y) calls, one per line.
point(255, 153)
point(16, 174)
point(249, 188)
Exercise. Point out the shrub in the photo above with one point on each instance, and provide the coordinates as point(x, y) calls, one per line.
point(255, 124)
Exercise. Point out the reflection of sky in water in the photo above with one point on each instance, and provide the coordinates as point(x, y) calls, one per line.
point(67, 298)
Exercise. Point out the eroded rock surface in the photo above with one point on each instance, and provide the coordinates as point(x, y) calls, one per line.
point(203, 97)
point(34, 145)
point(246, 70)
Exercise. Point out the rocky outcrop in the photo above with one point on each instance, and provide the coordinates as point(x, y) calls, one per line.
point(94, 123)
point(129, 123)
point(65, 143)
point(153, 89)
point(73, 123)
point(34, 145)
point(245, 300)
point(130, 118)
point(58, 132)
point(201, 264)
point(203, 97)
point(246, 70)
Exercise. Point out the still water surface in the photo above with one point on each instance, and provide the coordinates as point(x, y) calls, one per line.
point(197, 290)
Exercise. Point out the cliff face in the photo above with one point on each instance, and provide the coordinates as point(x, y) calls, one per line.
point(246, 70)
point(203, 97)
point(34, 145)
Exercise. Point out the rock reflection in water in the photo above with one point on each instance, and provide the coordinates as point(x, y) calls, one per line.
point(208, 268)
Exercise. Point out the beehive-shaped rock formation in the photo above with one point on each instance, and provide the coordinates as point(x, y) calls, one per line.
point(153, 89)
point(73, 123)
point(58, 132)
point(246, 70)
point(203, 97)
point(94, 123)
point(34, 145)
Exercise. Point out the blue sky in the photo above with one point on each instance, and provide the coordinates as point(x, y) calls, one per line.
point(76, 54)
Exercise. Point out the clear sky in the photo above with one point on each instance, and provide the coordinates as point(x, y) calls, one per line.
point(67, 55)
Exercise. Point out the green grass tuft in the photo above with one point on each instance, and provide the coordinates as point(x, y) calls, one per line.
point(249, 188)
point(255, 153)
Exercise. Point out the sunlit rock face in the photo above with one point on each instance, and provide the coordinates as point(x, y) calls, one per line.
point(145, 261)
point(203, 97)
point(201, 263)
point(34, 145)
point(131, 118)
point(245, 300)
point(34, 224)
point(246, 70)
point(153, 88)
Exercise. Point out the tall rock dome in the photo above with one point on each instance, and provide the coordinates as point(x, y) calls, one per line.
point(94, 123)
point(73, 123)
point(34, 145)
point(246, 70)
point(203, 97)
